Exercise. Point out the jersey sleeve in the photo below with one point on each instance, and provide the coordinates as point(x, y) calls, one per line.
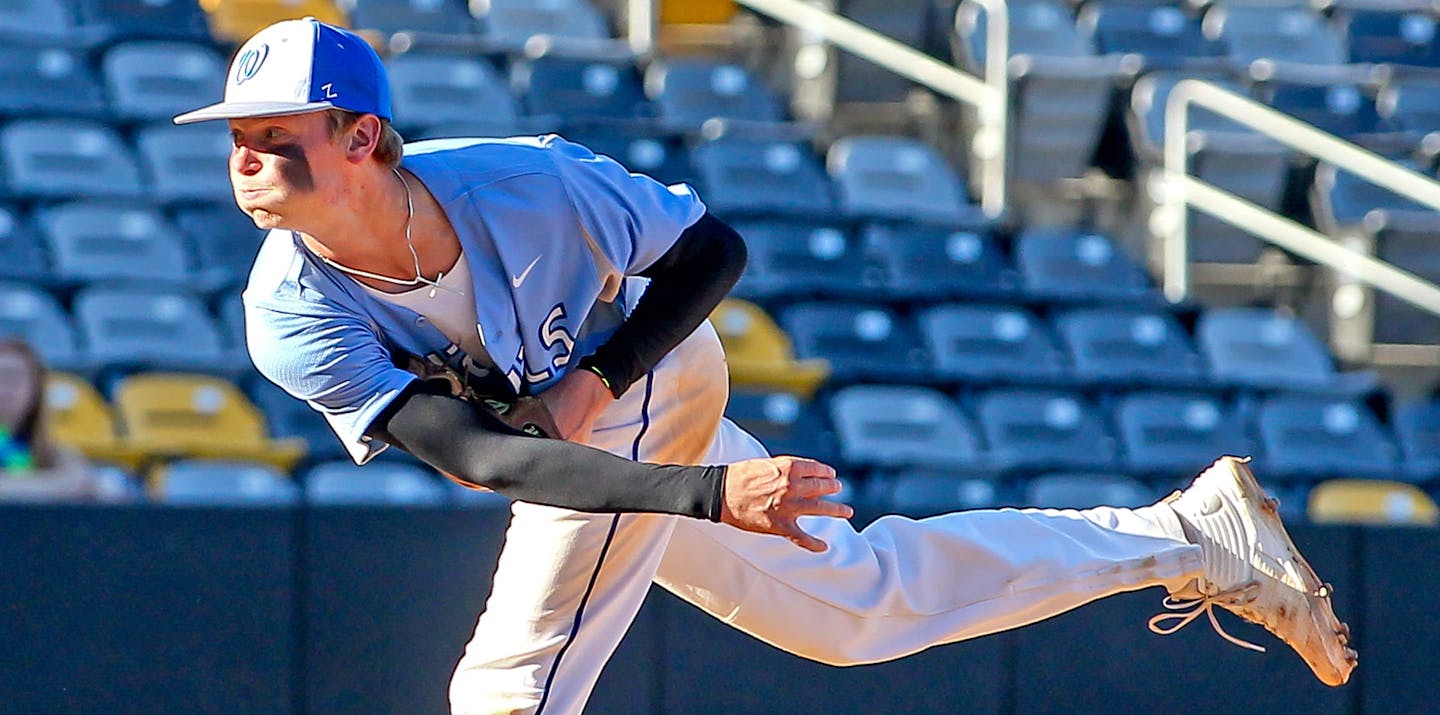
point(631, 219)
point(334, 362)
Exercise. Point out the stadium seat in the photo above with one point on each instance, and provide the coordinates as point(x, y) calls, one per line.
point(1392, 35)
point(57, 159)
point(224, 242)
point(128, 327)
point(1068, 265)
point(211, 483)
point(1413, 102)
point(922, 493)
point(22, 253)
point(1128, 346)
point(759, 354)
point(511, 23)
point(32, 22)
point(169, 415)
point(49, 81)
point(118, 20)
point(1280, 33)
point(896, 177)
point(1371, 502)
point(1146, 117)
point(758, 176)
point(791, 259)
point(926, 263)
point(860, 341)
point(1310, 437)
point(688, 91)
point(581, 89)
point(31, 313)
point(429, 90)
point(94, 241)
point(659, 156)
point(858, 81)
point(900, 426)
point(342, 483)
point(1335, 99)
point(446, 22)
point(291, 419)
point(187, 163)
point(80, 418)
point(153, 81)
point(1177, 433)
point(783, 422)
point(1083, 491)
point(1260, 348)
point(1037, 28)
point(1167, 36)
point(991, 343)
point(234, 21)
point(1417, 429)
point(1032, 429)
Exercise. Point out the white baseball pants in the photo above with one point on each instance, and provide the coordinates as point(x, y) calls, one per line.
point(568, 584)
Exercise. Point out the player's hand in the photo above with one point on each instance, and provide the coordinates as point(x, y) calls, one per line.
point(768, 495)
point(575, 401)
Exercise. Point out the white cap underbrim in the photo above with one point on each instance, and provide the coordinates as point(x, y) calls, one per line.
point(242, 110)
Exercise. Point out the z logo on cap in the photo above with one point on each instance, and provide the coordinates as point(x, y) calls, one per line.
point(250, 62)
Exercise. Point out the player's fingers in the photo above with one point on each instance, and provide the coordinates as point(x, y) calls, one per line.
point(801, 467)
point(821, 507)
point(792, 531)
point(807, 487)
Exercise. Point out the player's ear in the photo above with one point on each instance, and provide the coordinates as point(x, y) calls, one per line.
point(363, 138)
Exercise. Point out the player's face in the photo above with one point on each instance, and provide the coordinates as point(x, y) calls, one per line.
point(282, 168)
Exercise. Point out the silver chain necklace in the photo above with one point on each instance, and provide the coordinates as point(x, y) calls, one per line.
point(418, 279)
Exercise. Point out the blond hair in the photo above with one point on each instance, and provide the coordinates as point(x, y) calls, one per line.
point(391, 146)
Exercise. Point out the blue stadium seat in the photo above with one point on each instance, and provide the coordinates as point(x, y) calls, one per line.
point(921, 493)
point(1344, 202)
point(784, 423)
point(1307, 438)
point(1030, 429)
point(49, 81)
point(1391, 35)
point(581, 89)
point(22, 254)
point(1129, 346)
point(1064, 264)
point(118, 20)
point(230, 319)
point(921, 262)
point(1177, 433)
point(511, 23)
point(34, 22)
point(1037, 27)
point(895, 177)
point(444, 22)
point(803, 260)
point(223, 241)
point(128, 327)
point(1413, 102)
point(1282, 33)
point(186, 163)
point(858, 81)
point(194, 482)
point(762, 176)
point(1417, 430)
point(894, 426)
point(154, 80)
point(861, 341)
point(430, 90)
point(35, 315)
point(1083, 491)
point(93, 241)
point(1167, 36)
point(380, 483)
point(991, 343)
point(1147, 108)
point(1334, 99)
point(659, 156)
point(288, 417)
point(58, 159)
point(1260, 348)
point(688, 91)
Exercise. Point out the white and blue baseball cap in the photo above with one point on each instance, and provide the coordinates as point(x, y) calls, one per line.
point(300, 66)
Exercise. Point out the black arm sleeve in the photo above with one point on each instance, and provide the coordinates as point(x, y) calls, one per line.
point(685, 286)
point(474, 447)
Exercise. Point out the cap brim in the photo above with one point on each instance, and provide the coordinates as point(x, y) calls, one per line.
point(242, 110)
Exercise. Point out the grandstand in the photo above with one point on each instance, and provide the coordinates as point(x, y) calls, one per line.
point(943, 354)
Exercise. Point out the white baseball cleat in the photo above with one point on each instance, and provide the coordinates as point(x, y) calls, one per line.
point(1253, 569)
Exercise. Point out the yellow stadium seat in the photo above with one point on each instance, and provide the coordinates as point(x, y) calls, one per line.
point(236, 20)
point(1361, 501)
point(696, 12)
point(760, 354)
point(81, 419)
point(167, 415)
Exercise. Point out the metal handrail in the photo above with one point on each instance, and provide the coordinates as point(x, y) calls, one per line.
point(990, 96)
point(1180, 190)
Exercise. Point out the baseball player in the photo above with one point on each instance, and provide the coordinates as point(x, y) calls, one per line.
point(529, 317)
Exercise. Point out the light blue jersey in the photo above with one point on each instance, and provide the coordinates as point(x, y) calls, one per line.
point(549, 231)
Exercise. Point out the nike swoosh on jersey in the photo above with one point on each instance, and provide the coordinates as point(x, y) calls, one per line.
point(515, 281)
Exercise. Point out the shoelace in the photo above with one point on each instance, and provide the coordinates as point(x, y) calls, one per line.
point(1193, 607)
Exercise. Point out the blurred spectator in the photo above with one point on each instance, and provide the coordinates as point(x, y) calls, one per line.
point(32, 468)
